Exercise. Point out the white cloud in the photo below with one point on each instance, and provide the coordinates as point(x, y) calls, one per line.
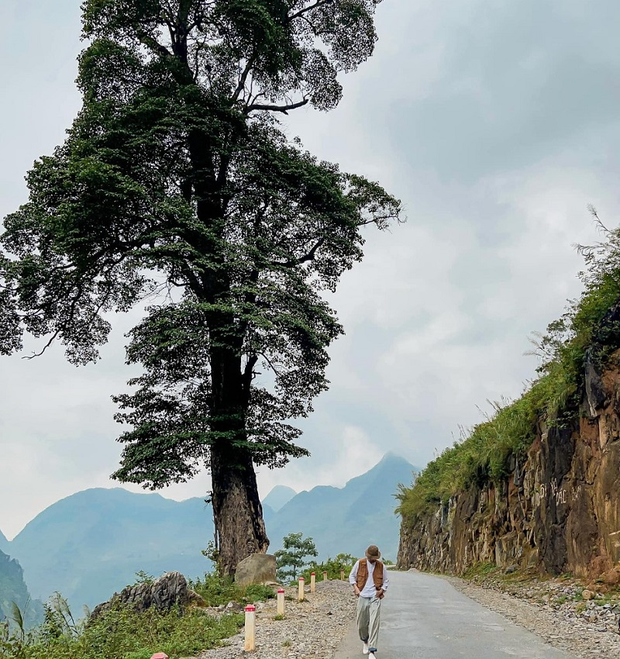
point(495, 136)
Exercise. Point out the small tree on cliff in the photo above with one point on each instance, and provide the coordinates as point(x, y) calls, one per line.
point(175, 180)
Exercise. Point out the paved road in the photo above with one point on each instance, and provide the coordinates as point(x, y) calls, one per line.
point(424, 617)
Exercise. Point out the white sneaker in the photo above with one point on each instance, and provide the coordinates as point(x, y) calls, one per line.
point(365, 648)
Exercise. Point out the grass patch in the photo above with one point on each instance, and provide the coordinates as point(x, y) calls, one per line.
point(217, 591)
point(122, 633)
point(589, 329)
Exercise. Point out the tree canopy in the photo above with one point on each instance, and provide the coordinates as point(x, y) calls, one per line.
point(176, 184)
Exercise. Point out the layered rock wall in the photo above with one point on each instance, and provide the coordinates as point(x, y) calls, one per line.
point(558, 511)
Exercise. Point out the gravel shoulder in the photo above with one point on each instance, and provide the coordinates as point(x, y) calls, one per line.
point(317, 626)
point(555, 611)
point(311, 628)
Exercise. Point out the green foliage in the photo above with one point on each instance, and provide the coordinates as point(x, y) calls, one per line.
point(176, 184)
point(333, 567)
point(219, 590)
point(120, 633)
point(588, 330)
point(484, 456)
point(291, 560)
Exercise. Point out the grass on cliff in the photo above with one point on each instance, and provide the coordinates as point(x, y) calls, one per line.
point(123, 633)
point(590, 328)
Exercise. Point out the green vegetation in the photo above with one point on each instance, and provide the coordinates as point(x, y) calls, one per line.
point(123, 633)
point(217, 590)
point(588, 330)
point(333, 567)
point(177, 187)
point(291, 560)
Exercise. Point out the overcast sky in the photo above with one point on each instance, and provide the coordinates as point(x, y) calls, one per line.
point(496, 123)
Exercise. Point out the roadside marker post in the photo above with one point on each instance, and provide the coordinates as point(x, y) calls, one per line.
point(301, 588)
point(312, 582)
point(250, 627)
point(324, 576)
point(280, 601)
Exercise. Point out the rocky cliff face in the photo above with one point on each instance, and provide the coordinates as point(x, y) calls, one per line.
point(558, 511)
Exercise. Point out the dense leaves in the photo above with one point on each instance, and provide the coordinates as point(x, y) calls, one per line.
point(176, 185)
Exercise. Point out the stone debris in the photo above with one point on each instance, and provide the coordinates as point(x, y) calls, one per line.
point(312, 628)
point(316, 627)
point(556, 611)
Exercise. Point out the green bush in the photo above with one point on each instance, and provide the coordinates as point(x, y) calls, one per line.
point(333, 567)
point(219, 590)
point(588, 329)
point(123, 633)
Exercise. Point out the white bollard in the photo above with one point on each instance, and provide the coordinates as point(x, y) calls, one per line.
point(280, 601)
point(250, 627)
point(301, 588)
point(312, 582)
point(324, 576)
point(341, 575)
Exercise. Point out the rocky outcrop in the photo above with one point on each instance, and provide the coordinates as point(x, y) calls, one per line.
point(163, 593)
point(558, 511)
point(256, 568)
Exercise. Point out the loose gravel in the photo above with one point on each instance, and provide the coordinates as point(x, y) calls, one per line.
point(555, 611)
point(310, 628)
point(317, 626)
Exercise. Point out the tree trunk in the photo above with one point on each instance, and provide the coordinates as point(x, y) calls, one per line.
point(237, 510)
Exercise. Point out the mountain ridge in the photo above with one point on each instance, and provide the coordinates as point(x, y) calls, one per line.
point(97, 540)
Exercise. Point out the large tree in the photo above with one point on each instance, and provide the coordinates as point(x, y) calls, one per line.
point(176, 181)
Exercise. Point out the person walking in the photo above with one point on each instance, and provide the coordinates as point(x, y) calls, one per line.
point(369, 578)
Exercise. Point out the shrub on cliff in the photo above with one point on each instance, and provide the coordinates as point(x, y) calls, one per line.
point(588, 331)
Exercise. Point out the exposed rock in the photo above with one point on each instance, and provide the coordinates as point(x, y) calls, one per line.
point(163, 593)
point(257, 568)
point(558, 511)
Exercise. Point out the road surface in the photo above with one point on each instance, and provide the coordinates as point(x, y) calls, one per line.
point(424, 617)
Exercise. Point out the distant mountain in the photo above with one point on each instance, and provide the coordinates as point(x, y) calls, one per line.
point(348, 519)
point(92, 543)
point(4, 543)
point(13, 589)
point(278, 497)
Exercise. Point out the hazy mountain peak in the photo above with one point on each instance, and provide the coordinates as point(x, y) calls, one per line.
point(279, 496)
point(4, 543)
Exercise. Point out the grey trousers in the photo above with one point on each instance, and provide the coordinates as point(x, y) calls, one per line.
point(368, 620)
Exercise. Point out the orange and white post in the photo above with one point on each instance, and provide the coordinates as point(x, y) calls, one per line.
point(301, 588)
point(250, 628)
point(280, 601)
point(312, 582)
point(324, 576)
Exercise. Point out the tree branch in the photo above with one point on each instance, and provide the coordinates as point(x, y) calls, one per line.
point(302, 259)
point(244, 77)
point(277, 108)
point(305, 10)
